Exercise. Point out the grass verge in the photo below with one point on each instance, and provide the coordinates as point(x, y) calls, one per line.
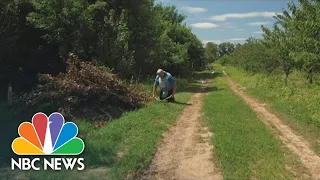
point(122, 147)
point(297, 104)
point(244, 146)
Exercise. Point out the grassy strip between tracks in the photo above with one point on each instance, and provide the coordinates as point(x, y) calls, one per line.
point(244, 146)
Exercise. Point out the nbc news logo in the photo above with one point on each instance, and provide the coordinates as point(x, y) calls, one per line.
point(47, 136)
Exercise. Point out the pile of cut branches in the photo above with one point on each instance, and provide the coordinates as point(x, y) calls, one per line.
point(85, 91)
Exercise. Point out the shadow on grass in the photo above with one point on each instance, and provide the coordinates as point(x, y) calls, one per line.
point(11, 119)
point(199, 80)
point(206, 75)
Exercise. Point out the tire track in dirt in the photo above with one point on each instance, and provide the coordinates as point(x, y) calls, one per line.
point(185, 151)
point(295, 143)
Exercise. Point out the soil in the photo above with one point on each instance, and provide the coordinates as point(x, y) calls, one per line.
point(185, 151)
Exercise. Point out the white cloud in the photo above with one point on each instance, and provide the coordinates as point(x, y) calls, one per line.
point(214, 41)
point(204, 25)
point(232, 40)
point(259, 23)
point(258, 32)
point(194, 9)
point(237, 39)
point(208, 25)
point(240, 30)
point(224, 17)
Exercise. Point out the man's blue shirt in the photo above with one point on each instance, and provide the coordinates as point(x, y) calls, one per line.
point(166, 84)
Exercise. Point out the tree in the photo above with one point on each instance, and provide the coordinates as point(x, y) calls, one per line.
point(225, 48)
point(130, 37)
point(302, 26)
point(211, 51)
point(277, 41)
point(251, 56)
point(60, 19)
point(292, 44)
point(179, 49)
point(23, 53)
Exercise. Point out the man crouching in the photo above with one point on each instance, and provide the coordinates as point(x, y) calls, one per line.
point(167, 84)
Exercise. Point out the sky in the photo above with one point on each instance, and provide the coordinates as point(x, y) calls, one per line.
point(228, 20)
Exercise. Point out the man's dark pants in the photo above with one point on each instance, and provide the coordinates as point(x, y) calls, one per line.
point(169, 94)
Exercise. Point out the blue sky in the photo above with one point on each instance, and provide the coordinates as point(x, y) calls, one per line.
point(228, 20)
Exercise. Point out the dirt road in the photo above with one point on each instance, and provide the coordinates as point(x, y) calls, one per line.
point(295, 143)
point(186, 151)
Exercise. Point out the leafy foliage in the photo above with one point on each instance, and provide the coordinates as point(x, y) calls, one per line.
point(23, 53)
point(133, 38)
point(179, 49)
point(212, 51)
point(292, 44)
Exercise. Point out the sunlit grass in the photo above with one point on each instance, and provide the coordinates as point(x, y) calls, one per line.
point(297, 104)
point(244, 147)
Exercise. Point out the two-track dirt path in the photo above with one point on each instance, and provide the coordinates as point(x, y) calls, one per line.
point(185, 151)
point(295, 143)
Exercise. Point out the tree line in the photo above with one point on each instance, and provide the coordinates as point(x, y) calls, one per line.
point(215, 51)
point(292, 44)
point(131, 38)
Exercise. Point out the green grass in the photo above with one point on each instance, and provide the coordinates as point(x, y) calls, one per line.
point(244, 146)
point(122, 147)
point(134, 135)
point(297, 104)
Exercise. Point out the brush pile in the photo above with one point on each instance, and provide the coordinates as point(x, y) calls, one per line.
point(85, 91)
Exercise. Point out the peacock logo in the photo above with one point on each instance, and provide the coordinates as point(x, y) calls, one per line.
point(48, 136)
